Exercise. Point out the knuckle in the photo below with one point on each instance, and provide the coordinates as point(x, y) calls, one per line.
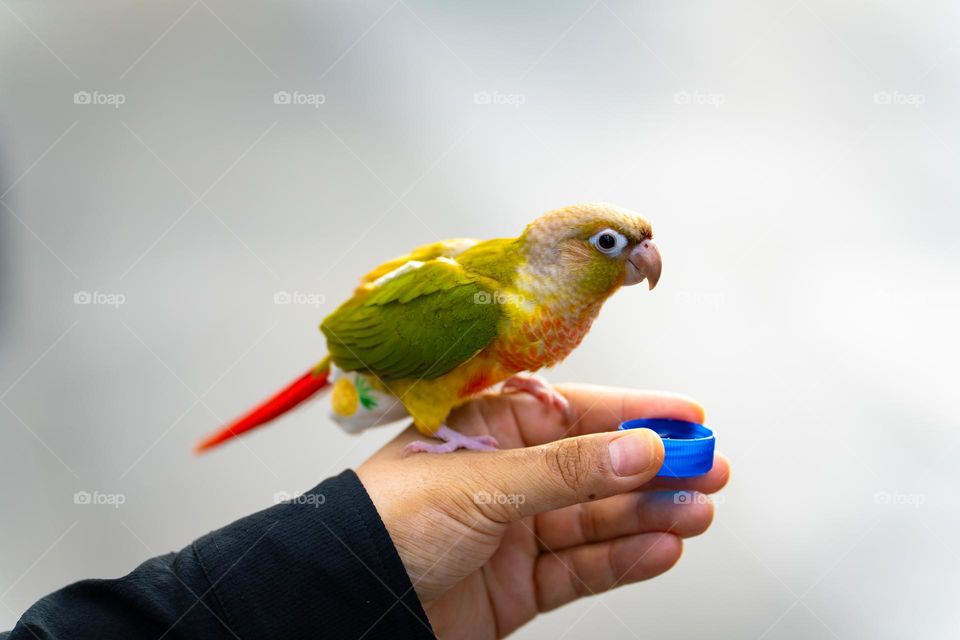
point(579, 587)
point(570, 460)
point(589, 523)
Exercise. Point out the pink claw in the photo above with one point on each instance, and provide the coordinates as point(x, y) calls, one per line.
point(452, 441)
point(539, 389)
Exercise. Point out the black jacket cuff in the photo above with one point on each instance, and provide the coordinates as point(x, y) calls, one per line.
point(320, 563)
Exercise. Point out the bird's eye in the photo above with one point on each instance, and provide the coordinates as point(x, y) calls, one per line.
point(609, 242)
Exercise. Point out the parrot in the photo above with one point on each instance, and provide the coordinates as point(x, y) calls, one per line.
point(425, 332)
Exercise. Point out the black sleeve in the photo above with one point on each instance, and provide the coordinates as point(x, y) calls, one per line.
point(321, 565)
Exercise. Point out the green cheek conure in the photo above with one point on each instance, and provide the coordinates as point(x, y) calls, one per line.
point(427, 331)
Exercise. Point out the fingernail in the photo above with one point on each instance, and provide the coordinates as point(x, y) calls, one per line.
point(633, 453)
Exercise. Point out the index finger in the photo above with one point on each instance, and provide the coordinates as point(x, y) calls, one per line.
point(595, 408)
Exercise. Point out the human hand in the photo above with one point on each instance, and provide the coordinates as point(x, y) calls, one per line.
point(568, 508)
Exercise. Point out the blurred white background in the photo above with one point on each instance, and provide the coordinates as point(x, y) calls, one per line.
point(798, 159)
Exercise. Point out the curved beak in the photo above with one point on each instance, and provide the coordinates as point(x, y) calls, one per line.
point(644, 263)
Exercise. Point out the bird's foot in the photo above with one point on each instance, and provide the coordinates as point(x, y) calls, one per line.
point(539, 389)
point(452, 441)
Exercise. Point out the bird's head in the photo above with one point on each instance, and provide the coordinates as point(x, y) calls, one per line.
point(593, 248)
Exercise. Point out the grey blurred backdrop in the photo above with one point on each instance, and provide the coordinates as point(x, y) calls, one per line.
point(798, 159)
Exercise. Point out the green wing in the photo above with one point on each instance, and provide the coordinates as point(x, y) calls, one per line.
point(419, 322)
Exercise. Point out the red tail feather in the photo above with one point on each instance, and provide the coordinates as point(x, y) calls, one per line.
point(296, 392)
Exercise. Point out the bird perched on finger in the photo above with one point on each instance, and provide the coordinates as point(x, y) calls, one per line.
point(425, 332)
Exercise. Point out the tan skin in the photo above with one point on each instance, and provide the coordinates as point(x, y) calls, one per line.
point(491, 539)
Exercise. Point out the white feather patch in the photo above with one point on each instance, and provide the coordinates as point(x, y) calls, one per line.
point(404, 268)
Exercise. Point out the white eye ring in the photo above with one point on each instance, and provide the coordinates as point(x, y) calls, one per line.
point(609, 242)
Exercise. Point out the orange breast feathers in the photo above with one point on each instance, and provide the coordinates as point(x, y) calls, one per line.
point(543, 339)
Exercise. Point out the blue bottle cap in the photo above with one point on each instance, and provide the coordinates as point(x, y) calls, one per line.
point(687, 446)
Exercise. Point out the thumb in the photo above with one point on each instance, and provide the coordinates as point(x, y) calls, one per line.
point(572, 470)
